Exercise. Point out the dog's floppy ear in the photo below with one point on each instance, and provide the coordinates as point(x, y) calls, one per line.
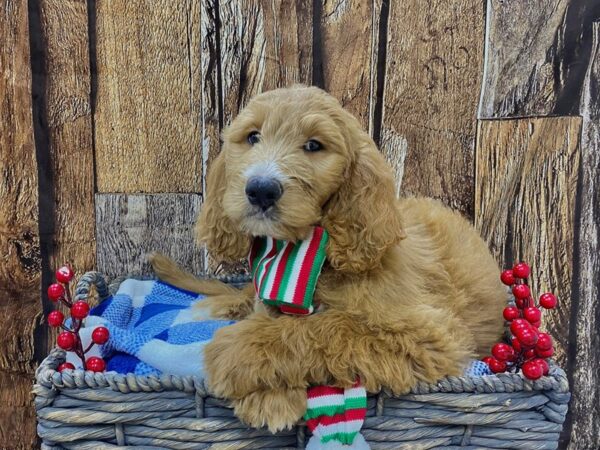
point(222, 237)
point(363, 218)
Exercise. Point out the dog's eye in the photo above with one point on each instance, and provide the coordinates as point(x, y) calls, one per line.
point(313, 146)
point(253, 137)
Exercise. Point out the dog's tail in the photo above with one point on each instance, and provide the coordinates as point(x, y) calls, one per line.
point(168, 271)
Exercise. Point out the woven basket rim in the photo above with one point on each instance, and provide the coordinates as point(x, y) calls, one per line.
point(47, 375)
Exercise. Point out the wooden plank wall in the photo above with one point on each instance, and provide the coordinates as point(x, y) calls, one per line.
point(109, 125)
point(20, 261)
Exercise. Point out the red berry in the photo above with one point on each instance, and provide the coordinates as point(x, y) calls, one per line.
point(507, 277)
point(65, 365)
point(95, 364)
point(543, 364)
point(548, 300)
point(516, 345)
point(537, 324)
point(544, 342)
point(520, 303)
point(64, 274)
point(497, 366)
point(527, 338)
point(519, 324)
point(55, 319)
point(100, 335)
point(521, 270)
point(532, 370)
point(55, 292)
point(510, 313)
point(80, 310)
point(521, 291)
point(487, 360)
point(532, 314)
point(502, 351)
point(66, 340)
point(545, 353)
point(530, 353)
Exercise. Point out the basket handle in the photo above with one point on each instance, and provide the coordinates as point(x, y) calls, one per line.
point(82, 290)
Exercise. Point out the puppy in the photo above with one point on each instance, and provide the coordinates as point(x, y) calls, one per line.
point(409, 291)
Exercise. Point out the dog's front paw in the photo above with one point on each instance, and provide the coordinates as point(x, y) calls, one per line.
point(236, 364)
point(277, 409)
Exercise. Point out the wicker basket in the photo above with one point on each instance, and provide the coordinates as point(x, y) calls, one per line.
point(86, 410)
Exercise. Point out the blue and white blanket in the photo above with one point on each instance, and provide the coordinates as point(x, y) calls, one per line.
point(157, 328)
point(154, 328)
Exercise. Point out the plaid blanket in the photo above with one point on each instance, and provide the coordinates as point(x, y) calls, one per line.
point(153, 329)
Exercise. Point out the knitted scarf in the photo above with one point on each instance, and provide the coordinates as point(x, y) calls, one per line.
point(285, 275)
point(336, 414)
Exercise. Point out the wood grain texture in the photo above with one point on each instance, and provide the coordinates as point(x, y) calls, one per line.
point(434, 53)
point(536, 56)
point(20, 261)
point(19, 241)
point(130, 226)
point(264, 44)
point(526, 182)
point(585, 366)
point(348, 51)
point(17, 415)
point(69, 121)
point(519, 76)
point(212, 102)
point(147, 117)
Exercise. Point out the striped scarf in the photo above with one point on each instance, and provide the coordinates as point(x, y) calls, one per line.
point(285, 275)
point(336, 414)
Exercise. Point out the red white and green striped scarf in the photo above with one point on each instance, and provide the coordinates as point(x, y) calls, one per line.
point(285, 275)
point(336, 414)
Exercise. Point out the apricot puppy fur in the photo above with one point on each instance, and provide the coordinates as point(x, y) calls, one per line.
point(409, 291)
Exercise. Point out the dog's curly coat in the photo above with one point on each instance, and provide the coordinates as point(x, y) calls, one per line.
point(409, 291)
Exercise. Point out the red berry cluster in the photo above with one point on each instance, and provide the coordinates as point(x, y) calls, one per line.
point(69, 339)
point(529, 347)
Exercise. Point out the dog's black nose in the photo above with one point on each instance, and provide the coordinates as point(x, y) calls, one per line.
point(263, 192)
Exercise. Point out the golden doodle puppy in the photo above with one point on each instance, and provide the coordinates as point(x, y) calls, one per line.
point(409, 291)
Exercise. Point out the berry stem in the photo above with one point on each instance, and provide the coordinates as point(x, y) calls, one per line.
point(68, 293)
point(89, 347)
point(79, 349)
point(77, 325)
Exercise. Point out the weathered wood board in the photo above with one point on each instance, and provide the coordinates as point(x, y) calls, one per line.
point(525, 189)
point(19, 240)
point(212, 101)
point(585, 318)
point(536, 56)
point(147, 127)
point(130, 226)
point(347, 52)
point(263, 45)
point(20, 262)
point(17, 415)
point(430, 99)
point(69, 121)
